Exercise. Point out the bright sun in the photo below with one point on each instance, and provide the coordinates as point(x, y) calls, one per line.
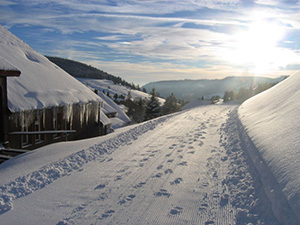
point(257, 48)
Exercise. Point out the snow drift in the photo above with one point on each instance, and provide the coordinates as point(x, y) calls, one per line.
point(272, 121)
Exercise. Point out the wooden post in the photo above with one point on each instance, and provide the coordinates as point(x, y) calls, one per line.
point(6, 70)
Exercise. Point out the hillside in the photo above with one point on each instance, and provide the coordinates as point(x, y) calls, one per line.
point(81, 70)
point(112, 89)
point(193, 89)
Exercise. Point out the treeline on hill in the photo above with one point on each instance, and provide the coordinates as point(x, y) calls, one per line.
point(244, 93)
point(140, 109)
point(81, 70)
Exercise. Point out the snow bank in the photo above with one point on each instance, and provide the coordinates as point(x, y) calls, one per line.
point(42, 84)
point(272, 121)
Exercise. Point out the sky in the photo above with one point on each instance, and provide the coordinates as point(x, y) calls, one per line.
point(150, 40)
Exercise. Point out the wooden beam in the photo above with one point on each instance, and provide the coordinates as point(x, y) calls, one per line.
point(10, 73)
point(42, 132)
point(5, 157)
point(11, 150)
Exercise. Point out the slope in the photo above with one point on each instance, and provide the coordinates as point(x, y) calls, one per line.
point(272, 121)
point(81, 70)
point(110, 87)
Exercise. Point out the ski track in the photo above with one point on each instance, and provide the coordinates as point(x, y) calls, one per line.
point(187, 168)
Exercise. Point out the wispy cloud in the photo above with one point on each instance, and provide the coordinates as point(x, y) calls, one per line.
point(189, 39)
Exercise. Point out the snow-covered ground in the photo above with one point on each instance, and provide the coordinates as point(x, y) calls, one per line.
point(272, 120)
point(184, 168)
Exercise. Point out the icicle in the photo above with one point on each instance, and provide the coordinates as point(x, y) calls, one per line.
point(44, 118)
point(82, 112)
point(87, 113)
point(68, 113)
point(97, 110)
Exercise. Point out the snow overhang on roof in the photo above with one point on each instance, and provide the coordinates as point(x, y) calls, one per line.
point(7, 69)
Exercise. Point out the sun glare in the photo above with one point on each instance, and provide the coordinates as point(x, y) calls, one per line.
point(257, 48)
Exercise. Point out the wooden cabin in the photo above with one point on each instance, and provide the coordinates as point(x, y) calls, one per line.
point(40, 102)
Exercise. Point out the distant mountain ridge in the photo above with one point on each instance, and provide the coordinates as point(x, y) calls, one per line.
point(194, 89)
point(81, 70)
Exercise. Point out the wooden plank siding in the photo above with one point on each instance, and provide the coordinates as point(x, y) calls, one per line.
point(83, 118)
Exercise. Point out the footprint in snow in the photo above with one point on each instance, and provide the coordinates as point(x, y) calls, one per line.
point(108, 213)
point(176, 181)
point(183, 163)
point(100, 186)
point(127, 199)
point(103, 196)
point(203, 207)
point(139, 185)
point(176, 211)
point(168, 171)
point(162, 192)
point(159, 167)
point(158, 175)
point(123, 170)
point(118, 178)
point(205, 184)
point(224, 158)
point(168, 155)
point(224, 200)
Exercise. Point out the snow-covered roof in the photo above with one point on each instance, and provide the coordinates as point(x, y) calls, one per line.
point(42, 84)
point(6, 66)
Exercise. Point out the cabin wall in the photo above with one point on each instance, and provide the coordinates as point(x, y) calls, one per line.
point(2, 107)
point(84, 118)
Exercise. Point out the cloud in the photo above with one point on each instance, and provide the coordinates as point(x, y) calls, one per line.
point(145, 72)
point(148, 37)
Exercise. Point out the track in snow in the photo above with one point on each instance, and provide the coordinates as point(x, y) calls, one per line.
point(189, 169)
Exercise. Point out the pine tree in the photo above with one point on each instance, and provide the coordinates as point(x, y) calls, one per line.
point(171, 105)
point(153, 108)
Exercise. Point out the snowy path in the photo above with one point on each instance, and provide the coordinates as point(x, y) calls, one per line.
point(187, 169)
